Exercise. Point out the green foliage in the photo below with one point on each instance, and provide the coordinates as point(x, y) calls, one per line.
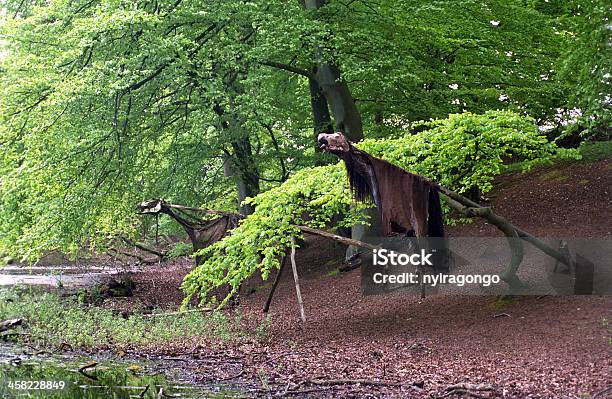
point(52, 320)
point(263, 330)
point(93, 296)
point(316, 197)
point(180, 249)
point(104, 104)
point(468, 150)
point(596, 150)
point(460, 152)
point(451, 57)
point(113, 378)
point(587, 65)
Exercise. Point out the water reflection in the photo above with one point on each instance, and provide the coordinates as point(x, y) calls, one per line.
point(55, 377)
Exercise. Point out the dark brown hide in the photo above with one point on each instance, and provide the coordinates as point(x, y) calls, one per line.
point(207, 233)
point(404, 200)
point(202, 233)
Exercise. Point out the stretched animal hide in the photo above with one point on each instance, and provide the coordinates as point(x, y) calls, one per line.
point(407, 203)
point(201, 233)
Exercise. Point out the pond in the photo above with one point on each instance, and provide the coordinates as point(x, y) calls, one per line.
point(24, 375)
point(61, 276)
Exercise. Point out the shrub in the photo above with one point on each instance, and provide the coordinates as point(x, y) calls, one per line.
point(467, 151)
point(180, 249)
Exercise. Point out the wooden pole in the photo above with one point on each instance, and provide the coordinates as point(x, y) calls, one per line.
point(322, 233)
point(449, 193)
point(276, 281)
point(468, 208)
point(516, 245)
point(209, 211)
point(297, 282)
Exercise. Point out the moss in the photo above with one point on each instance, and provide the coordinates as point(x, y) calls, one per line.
point(505, 301)
point(554, 175)
point(332, 273)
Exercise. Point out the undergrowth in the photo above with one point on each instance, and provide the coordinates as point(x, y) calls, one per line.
point(595, 150)
point(590, 151)
point(50, 321)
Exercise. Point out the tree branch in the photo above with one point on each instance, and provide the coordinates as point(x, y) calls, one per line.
point(516, 245)
point(335, 237)
point(142, 247)
point(288, 68)
point(521, 233)
point(209, 211)
point(139, 84)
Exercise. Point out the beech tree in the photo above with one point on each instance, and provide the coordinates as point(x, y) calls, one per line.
point(106, 103)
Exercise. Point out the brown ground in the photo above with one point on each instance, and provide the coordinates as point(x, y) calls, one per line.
point(572, 200)
point(550, 347)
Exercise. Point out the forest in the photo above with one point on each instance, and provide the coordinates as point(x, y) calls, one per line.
point(163, 162)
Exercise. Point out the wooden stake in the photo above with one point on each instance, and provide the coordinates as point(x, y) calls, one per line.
point(297, 281)
point(276, 281)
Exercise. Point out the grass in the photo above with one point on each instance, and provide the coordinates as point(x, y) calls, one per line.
point(606, 323)
point(51, 321)
point(554, 175)
point(504, 302)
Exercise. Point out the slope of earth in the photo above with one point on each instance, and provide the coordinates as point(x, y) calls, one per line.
point(567, 200)
point(404, 346)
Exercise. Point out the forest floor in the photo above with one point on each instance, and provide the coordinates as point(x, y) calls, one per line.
point(404, 346)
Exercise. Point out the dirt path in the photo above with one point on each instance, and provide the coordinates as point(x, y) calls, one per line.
point(550, 347)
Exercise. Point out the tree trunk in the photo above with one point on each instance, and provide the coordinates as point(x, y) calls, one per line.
point(328, 80)
point(248, 176)
point(321, 119)
point(243, 169)
point(344, 109)
point(346, 115)
point(241, 165)
point(320, 111)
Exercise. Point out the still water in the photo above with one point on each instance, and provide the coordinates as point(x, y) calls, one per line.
point(57, 376)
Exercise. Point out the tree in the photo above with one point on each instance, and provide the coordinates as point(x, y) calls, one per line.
point(98, 116)
point(105, 104)
point(587, 65)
